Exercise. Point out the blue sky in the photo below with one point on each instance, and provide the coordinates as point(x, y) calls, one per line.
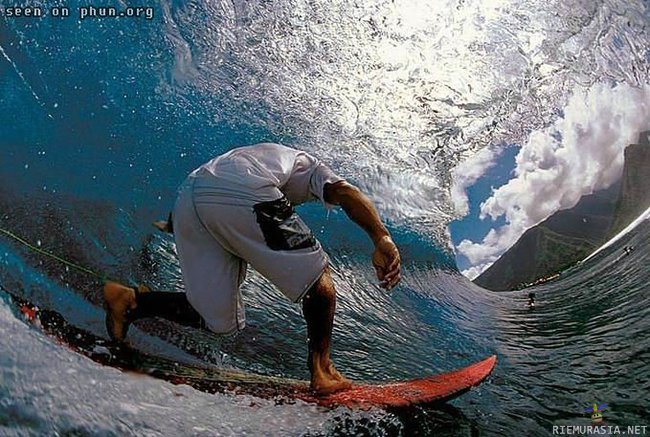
point(471, 227)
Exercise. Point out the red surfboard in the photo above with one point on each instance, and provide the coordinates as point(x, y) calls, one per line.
point(434, 389)
point(424, 391)
point(437, 388)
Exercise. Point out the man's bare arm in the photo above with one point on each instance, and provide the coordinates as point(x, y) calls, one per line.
point(360, 209)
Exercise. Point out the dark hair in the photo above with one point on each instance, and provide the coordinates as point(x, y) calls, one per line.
point(531, 295)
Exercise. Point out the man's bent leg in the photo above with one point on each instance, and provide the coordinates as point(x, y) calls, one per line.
point(125, 305)
point(318, 307)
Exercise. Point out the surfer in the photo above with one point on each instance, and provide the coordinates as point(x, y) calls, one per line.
point(531, 300)
point(237, 209)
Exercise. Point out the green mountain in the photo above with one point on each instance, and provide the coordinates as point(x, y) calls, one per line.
point(635, 184)
point(556, 243)
point(570, 235)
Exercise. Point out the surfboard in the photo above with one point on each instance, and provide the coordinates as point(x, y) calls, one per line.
point(430, 390)
point(423, 391)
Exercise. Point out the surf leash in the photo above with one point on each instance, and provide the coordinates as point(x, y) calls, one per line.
point(53, 256)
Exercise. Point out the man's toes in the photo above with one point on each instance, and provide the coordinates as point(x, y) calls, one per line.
point(331, 386)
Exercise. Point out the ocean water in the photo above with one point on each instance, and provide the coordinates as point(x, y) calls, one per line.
point(101, 119)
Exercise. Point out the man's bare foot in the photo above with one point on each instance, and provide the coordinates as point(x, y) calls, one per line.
point(325, 379)
point(324, 382)
point(326, 385)
point(119, 300)
point(331, 370)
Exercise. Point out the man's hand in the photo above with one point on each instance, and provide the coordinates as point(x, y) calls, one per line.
point(387, 262)
point(361, 210)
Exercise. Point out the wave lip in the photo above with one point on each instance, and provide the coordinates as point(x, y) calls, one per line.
point(643, 216)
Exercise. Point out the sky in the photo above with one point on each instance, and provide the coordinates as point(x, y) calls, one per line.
point(471, 227)
point(502, 191)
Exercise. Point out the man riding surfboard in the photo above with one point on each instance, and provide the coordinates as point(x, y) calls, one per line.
point(237, 209)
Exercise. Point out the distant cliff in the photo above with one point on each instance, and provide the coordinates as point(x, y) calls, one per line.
point(571, 234)
point(635, 184)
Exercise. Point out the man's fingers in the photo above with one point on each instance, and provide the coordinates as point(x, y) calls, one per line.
point(391, 279)
point(380, 273)
point(394, 271)
point(388, 278)
point(387, 267)
point(393, 282)
point(393, 264)
point(390, 283)
point(386, 261)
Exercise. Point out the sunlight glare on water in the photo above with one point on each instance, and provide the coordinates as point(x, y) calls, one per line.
point(397, 92)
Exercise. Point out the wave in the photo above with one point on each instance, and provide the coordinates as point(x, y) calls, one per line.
point(101, 120)
point(643, 216)
point(392, 94)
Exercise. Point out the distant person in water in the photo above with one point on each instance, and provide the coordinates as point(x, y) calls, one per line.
point(531, 300)
point(237, 209)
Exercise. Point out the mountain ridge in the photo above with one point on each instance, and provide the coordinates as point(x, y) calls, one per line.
point(569, 235)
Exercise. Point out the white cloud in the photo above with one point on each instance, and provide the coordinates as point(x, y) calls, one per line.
point(580, 153)
point(479, 253)
point(473, 272)
point(467, 173)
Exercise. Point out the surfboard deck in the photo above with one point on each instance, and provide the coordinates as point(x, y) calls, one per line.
point(438, 388)
point(430, 390)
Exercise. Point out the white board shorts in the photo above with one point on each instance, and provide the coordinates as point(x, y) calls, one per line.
point(215, 241)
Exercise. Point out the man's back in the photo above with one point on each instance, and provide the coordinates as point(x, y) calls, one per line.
point(267, 171)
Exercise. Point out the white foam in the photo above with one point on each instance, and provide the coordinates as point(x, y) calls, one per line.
point(47, 389)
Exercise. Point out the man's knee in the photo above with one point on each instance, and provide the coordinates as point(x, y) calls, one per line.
point(323, 288)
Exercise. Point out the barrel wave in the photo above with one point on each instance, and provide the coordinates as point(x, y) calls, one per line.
point(102, 118)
